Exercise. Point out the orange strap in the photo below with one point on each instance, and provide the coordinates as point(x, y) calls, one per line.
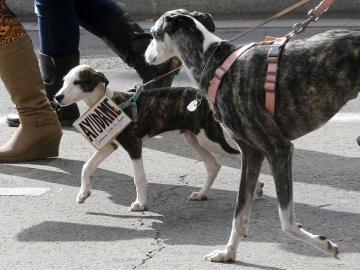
point(271, 73)
point(274, 57)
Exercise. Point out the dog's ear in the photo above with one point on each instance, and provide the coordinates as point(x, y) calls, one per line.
point(102, 78)
point(175, 21)
point(206, 19)
point(89, 79)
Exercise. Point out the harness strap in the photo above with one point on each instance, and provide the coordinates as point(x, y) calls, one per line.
point(272, 72)
point(219, 74)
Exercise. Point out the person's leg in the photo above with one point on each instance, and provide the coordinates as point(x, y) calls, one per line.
point(59, 51)
point(110, 22)
point(39, 133)
point(59, 48)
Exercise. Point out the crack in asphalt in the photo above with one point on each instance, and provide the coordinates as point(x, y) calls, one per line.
point(159, 243)
point(168, 192)
point(150, 254)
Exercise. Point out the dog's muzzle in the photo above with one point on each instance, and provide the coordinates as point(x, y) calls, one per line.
point(59, 98)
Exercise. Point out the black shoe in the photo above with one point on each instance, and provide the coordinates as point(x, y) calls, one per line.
point(53, 70)
point(66, 115)
point(12, 120)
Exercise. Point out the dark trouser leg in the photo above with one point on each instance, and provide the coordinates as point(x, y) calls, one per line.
point(125, 37)
point(59, 47)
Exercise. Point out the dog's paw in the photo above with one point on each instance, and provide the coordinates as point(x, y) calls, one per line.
point(225, 255)
point(137, 206)
point(82, 196)
point(197, 196)
point(333, 249)
point(328, 247)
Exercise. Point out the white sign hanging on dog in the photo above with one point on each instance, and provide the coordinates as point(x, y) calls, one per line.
point(102, 122)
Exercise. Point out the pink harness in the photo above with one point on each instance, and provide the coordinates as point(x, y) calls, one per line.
point(273, 58)
point(219, 74)
point(275, 51)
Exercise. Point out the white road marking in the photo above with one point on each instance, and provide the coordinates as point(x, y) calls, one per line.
point(23, 191)
point(346, 117)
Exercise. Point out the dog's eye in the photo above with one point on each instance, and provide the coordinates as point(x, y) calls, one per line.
point(77, 82)
point(155, 34)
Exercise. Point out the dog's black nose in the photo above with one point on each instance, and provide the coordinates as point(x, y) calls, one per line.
point(59, 98)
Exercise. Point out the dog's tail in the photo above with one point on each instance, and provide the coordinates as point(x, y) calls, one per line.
point(213, 139)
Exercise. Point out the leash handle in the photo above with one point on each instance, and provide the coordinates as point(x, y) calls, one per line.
point(314, 15)
point(274, 17)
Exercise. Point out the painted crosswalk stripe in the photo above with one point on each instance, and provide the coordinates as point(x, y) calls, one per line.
point(346, 117)
point(23, 191)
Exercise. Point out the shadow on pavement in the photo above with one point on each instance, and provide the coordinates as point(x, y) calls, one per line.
point(309, 167)
point(205, 223)
point(53, 231)
point(256, 266)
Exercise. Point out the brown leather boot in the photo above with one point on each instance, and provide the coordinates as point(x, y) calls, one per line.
point(39, 133)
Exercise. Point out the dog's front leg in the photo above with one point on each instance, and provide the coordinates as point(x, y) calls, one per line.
point(133, 146)
point(250, 169)
point(211, 164)
point(89, 169)
point(141, 185)
point(281, 164)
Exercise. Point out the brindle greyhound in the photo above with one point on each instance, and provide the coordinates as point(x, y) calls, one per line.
point(159, 110)
point(317, 76)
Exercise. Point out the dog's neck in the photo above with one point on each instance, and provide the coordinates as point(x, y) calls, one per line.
point(201, 66)
point(196, 54)
point(97, 93)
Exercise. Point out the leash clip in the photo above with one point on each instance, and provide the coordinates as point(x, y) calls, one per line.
point(312, 15)
point(193, 105)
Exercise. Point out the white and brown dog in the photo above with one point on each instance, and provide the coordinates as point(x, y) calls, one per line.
point(316, 77)
point(159, 110)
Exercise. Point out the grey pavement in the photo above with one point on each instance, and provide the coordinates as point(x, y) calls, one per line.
point(51, 231)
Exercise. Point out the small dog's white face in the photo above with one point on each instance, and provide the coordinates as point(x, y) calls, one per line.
point(163, 45)
point(81, 83)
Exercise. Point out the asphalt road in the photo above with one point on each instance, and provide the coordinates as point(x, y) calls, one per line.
point(51, 231)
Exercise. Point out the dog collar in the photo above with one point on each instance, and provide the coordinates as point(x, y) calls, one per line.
point(219, 74)
point(132, 102)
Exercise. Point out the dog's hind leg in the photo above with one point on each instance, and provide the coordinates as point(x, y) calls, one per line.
point(281, 164)
point(250, 169)
point(210, 162)
point(89, 169)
